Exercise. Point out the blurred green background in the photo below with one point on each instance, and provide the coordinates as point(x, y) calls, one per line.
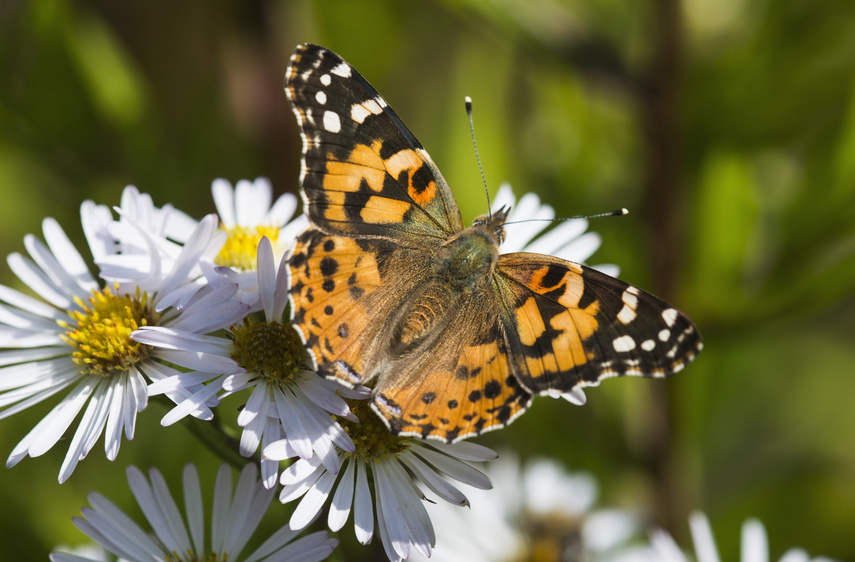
point(727, 127)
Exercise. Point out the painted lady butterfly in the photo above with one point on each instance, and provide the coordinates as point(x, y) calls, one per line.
point(389, 289)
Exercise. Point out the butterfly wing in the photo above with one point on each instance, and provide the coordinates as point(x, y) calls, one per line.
point(364, 173)
point(337, 287)
point(569, 325)
point(459, 385)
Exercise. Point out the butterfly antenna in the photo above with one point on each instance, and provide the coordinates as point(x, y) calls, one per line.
point(615, 213)
point(468, 101)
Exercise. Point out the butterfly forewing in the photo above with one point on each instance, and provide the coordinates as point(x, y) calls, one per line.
point(364, 173)
point(569, 325)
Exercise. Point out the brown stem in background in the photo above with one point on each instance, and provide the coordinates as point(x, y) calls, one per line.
point(660, 108)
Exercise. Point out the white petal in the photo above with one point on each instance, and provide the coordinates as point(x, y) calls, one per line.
point(392, 514)
point(555, 239)
point(702, 536)
point(666, 549)
point(466, 450)
point(32, 276)
point(224, 200)
point(363, 514)
point(418, 523)
point(755, 544)
point(607, 529)
point(29, 304)
point(434, 481)
point(189, 406)
point(312, 502)
point(252, 201)
point(504, 198)
point(266, 279)
point(199, 361)
point(170, 526)
point(220, 516)
point(292, 492)
point(342, 500)
point(67, 255)
point(580, 249)
point(796, 555)
point(454, 468)
point(194, 507)
point(293, 423)
point(282, 210)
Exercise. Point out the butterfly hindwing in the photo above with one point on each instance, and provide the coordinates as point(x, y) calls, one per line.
point(569, 325)
point(333, 281)
point(458, 385)
point(364, 173)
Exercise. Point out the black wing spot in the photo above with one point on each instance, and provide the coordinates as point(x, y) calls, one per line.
point(328, 310)
point(328, 285)
point(328, 267)
point(428, 397)
point(475, 396)
point(492, 389)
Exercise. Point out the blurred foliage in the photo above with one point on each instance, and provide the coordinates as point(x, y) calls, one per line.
point(97, 95)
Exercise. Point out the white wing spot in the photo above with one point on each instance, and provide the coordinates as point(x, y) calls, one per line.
point(325, 79)
point(648, 345)
point(360, 111)
point(623, 344)
point(332, 123)
point(630, 302)
point(664, 335)
point(342, 70)
point(626, 314)
point(321, 96)
point(669, 315)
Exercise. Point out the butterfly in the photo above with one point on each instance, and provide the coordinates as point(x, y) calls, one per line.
point(389, 289)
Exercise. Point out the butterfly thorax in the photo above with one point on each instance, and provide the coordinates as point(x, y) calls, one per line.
point(462, 265)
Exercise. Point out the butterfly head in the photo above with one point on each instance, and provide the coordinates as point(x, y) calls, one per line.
point(494, 223)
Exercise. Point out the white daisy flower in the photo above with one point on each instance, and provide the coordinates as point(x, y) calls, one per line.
point(140, 228)
point(288, 401)
point(755, 545)
point(247, 216)
point(397, 468)
point(234, 519)
point(76, 338)
point(568, 241)
point(540, 512)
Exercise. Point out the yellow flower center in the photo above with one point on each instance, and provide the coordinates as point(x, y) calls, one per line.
point(371, 436)
point(272, 349)
point(100, 332)
point(241, 247)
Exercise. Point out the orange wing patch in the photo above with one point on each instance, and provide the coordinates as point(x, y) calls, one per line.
point(405, 166)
